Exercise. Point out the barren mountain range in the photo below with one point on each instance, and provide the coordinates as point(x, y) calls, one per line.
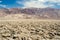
point(43, 13)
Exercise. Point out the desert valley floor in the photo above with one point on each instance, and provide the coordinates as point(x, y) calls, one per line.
point(29, 29)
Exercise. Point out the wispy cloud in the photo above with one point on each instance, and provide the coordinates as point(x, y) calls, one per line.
point(19, 2)
point(0, 1)
point(3, 5)
point(55, 1)
point(36, 3)
point(39, 3)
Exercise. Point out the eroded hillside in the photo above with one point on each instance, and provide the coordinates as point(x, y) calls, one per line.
point(40, 13)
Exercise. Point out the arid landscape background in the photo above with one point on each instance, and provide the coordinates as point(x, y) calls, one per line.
point(30, 13)
point(29, 24)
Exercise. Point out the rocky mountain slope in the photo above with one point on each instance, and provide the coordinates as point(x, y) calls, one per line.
point(43, 13)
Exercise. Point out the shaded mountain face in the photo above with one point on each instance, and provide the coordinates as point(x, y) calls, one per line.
point(3, 11)
point(43, 13)
point(15, 10)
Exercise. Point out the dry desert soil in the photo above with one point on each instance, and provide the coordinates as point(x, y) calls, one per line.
point(29, 29)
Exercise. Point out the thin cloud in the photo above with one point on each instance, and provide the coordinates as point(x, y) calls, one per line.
point(35, 3)
point(39, 3)
point(3, 5)
point(0, 1)
point(18, 2)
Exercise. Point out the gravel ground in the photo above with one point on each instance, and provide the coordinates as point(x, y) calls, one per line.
point(30, 30)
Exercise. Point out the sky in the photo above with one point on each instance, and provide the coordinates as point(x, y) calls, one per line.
point(30, 3)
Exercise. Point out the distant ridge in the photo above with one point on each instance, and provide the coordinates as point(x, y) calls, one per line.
point(43, 13)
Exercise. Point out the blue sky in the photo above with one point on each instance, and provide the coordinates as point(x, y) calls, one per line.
point(30, 3)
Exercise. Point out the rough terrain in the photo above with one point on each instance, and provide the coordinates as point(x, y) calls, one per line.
point(30, 30)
